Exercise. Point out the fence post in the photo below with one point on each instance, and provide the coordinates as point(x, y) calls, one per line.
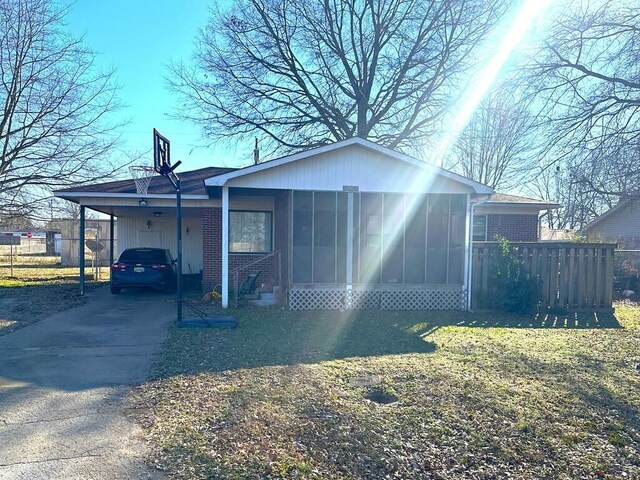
point(609, 275)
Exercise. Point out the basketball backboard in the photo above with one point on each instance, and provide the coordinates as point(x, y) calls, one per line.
point(161, 153)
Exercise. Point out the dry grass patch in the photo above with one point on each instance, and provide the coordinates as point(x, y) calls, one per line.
point(479, 396)
point(39, 269)
point(38, 288)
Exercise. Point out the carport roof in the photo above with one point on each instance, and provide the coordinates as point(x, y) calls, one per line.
point(192, 183)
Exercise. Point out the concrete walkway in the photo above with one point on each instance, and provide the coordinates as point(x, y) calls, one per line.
point(63, 382)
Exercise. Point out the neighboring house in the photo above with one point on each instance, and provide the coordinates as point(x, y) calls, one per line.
point(621, 224)
point(510, 216)
point(348, 225)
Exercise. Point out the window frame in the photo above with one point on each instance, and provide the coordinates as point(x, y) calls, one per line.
point(473, 236)
point(271, 239)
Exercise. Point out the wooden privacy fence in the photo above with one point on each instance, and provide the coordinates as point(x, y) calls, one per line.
point(570, 276)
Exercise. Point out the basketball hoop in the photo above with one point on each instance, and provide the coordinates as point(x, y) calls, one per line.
point(142, 176)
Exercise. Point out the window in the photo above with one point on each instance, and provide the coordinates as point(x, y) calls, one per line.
point(249, 232)
point(479, 228)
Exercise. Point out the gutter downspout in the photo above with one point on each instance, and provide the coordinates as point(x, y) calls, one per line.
point(470, 264)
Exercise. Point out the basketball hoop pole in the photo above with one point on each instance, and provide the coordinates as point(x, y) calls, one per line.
point(162, 165)
point(175, 180)
point(179, 229)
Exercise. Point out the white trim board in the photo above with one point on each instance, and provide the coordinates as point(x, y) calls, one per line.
point(69, 195)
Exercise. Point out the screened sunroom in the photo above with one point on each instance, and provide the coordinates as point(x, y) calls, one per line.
point(366, 227)
point(406, 248)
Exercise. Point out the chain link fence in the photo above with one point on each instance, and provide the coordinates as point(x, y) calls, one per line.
point(38, 253)
point(97, 242)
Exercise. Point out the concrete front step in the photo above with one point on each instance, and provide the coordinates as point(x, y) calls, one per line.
point(251, 296)
point(263, 302)
point(262, 298)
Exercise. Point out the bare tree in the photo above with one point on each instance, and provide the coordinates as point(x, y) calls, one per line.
point(568, 184)
point(589, 83)
point(496, 147)
point(307, 73)
point(53, 126)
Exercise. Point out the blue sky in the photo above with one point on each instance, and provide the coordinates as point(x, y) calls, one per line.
point(138, 38)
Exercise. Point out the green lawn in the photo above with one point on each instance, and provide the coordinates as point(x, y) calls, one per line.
point(479, 396)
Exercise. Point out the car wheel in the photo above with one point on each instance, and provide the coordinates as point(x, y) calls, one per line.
point(115, 290)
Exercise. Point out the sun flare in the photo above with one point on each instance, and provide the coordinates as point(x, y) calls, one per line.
point(516, 29)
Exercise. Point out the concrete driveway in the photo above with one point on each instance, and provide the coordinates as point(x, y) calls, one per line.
point(63, 383)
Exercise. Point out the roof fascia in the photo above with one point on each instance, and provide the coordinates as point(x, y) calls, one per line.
point(71, 195)
point(541, 206)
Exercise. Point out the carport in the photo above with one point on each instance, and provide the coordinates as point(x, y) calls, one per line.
point(147, 219)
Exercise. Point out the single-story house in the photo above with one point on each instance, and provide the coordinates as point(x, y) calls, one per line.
point(513, 217)
point(347, 225)
point(620, 224)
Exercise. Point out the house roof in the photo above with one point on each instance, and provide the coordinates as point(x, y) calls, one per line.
point(507, 199)
point(194, 182)
point(191, 183)
point(220, 180)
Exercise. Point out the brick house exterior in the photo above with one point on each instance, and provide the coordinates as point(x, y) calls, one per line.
point(513, 227)
point(332, 240)
point(212, 255)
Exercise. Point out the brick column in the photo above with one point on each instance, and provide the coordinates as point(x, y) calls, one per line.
point(211, 248)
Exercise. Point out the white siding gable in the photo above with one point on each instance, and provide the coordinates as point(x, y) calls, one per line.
point(351, 165)
point(623, 223)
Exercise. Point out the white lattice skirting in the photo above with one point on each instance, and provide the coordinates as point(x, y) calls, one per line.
point(406, 299)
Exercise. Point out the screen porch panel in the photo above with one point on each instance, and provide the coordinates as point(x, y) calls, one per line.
point(398, 239)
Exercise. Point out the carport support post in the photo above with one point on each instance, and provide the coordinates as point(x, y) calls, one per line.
point(81, 249)
point(225, 247)
point(349, 249)
point(111, 242)
point(179, 232)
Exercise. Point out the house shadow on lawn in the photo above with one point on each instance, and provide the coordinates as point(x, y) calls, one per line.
point(269, 337)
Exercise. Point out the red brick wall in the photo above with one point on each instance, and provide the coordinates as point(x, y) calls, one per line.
point(212, 256)
point(515, 228)
point(211, 247)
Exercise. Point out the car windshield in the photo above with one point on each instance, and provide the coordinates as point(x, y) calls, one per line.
point(145, 256)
